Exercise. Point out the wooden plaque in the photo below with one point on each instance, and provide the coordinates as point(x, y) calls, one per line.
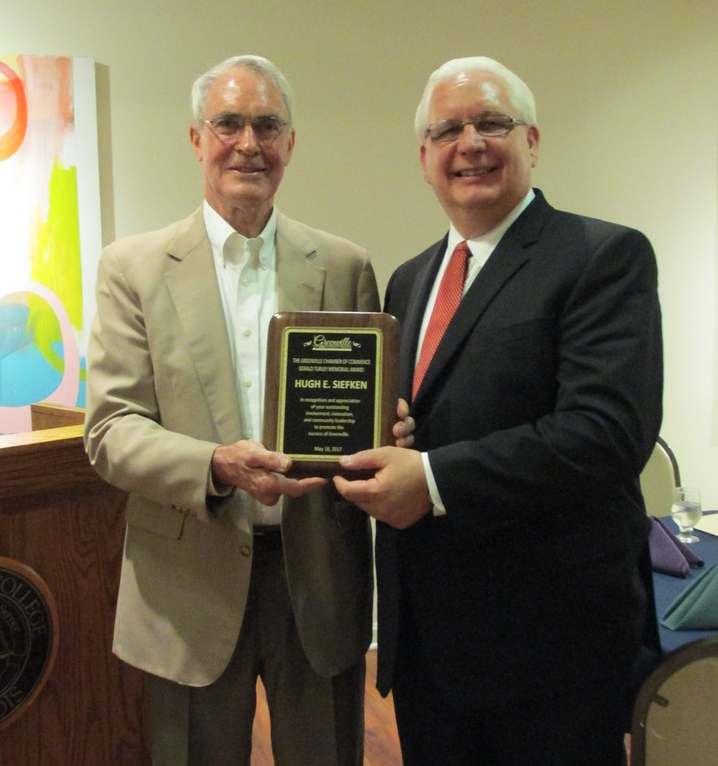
point(331, 387)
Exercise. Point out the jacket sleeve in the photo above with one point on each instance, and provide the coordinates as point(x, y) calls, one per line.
point(367, 292)
point(124, 438)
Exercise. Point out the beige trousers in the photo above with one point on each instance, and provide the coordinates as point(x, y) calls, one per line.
point(315, 721)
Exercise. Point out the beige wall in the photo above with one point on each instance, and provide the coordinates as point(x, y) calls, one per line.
point(626, 94)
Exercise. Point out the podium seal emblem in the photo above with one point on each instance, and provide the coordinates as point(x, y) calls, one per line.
point(28, 637)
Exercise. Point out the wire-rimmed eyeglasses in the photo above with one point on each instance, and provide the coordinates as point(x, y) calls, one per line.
point(229, 127)
point(487, 124)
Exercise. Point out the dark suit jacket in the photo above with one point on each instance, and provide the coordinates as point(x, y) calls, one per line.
point(538, 411)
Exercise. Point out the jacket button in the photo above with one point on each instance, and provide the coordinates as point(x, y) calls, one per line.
point(245, 550)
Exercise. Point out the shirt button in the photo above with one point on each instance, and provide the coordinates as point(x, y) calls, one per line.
point(245, 550)
point(244, 282)
point(247, 333)
point(247, 383)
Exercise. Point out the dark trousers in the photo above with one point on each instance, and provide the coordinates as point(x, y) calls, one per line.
point(581, 727)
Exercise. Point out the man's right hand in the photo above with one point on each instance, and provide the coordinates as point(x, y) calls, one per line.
point(250, 467)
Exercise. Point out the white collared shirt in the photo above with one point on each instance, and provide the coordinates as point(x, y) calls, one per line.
point(247, 277)
point(481, 249)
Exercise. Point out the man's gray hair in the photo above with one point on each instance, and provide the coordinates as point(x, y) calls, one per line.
point(519, 93)
point(257, 64)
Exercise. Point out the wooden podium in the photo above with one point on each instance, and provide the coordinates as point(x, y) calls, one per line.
point(59, 518)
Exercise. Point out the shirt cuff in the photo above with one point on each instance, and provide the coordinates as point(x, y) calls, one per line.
point(215, 489)
point(438, 508)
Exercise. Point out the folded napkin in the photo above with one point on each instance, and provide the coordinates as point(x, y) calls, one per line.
point(668, 554)
point(697, 607)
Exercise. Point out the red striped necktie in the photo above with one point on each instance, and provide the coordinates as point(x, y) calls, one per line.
point(447, 301)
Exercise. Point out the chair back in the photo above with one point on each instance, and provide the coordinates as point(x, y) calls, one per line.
point(658, 479)
point(674, 717)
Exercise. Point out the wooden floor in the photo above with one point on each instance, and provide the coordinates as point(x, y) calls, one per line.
point(381, 744)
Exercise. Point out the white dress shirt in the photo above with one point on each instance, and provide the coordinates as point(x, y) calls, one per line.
point(481, 248)
point(247, 277)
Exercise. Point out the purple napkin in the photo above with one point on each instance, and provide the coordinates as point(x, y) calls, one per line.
point(691, 556)
point(668, 554)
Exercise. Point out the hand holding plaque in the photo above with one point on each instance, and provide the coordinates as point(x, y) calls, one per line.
point(331, 387)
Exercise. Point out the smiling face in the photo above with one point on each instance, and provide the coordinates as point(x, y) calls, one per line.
point(242, 177)
point(477, 180)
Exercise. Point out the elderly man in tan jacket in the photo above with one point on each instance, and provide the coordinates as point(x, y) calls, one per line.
point(221, 582)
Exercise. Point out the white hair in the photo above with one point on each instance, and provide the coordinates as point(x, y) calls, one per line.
point(519, 93)
point(258, 64)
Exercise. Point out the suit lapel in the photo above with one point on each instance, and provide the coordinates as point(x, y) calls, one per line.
point(509, 256)
point(300, 282)
point(191, 281)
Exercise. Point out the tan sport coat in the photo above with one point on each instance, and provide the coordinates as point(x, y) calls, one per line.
point(161, 397)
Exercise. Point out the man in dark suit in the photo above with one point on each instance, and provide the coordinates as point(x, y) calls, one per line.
point(510, 609)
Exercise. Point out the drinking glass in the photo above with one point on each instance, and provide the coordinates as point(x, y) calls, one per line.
point(686, 512)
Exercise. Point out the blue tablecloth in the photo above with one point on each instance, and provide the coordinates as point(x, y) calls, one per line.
point(667, 588)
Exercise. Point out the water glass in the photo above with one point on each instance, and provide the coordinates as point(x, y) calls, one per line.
point(686, 512)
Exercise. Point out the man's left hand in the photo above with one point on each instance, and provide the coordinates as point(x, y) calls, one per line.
point(405, 426)
point(397, 493)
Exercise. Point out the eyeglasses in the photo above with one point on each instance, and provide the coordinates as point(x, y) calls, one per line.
point(229, 127)
point(489, 125)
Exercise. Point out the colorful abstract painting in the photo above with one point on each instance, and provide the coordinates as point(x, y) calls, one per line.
point(50, 235)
